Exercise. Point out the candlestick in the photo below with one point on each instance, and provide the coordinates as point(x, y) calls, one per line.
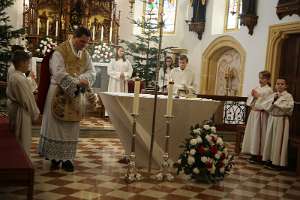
point(56, 28)
point(170, 99)
point(136, 98)
point(38, 26)
point(94, 30)
point(47, 27)
point(101, 38)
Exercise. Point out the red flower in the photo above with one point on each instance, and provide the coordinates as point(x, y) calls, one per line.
point(208, 164)
point(214, 139)
point(222, 157)
point(213, 150)
point(201, 149)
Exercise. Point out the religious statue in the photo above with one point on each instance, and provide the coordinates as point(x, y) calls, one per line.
point(229, 75)
point(199, 10)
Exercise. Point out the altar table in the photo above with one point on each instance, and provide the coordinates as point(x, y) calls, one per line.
point(187, 112)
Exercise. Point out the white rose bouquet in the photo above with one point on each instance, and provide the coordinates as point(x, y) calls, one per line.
point(45, 46)
point(102, 53)
point(205, 156)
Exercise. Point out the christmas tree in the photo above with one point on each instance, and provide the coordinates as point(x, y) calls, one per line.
point(6, 35)
point(144, 50)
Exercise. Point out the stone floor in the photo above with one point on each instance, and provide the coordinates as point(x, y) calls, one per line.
point(97, 176)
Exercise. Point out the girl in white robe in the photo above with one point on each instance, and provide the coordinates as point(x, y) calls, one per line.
point(255, 132)
point(119, 71)
point(280, 107)
point(22, 108)
point(164, 74)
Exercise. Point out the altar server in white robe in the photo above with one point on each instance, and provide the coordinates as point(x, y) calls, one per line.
point(119, 72)
point(22, 108)
point(183, 77)
point(280, 106)
point(255, 132)
point(70, 68)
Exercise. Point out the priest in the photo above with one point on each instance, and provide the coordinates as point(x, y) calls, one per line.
point(71, 72)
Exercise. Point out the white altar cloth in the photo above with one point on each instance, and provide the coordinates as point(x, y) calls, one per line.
point(187, 112)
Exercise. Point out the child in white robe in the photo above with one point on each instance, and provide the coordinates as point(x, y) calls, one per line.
point(119, 72)
point(255, 132)
point(22, 108)
point(280, 106)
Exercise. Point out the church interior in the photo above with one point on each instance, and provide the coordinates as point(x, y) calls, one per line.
point(102, 115)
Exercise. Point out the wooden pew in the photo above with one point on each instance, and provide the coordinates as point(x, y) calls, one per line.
point(16, 168)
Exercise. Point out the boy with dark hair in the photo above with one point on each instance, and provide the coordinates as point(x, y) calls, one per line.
point(22, 108)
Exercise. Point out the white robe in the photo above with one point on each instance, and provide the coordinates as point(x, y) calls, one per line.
point(255, 132)
point(163, 78)
point(114, 70)
point(59, 138)
point(22, 108)
point(277, 137)
point(182, 79)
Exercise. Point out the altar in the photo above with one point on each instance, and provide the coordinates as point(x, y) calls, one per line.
point(187, 112)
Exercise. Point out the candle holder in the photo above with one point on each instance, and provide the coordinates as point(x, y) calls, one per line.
point(165, 173)
point(132, 173)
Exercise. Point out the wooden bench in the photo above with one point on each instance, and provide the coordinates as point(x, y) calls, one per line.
point(16, 168)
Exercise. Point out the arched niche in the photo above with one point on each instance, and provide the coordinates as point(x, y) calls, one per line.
point(211, 60)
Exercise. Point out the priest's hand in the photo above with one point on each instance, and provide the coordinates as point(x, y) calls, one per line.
point(254, 93)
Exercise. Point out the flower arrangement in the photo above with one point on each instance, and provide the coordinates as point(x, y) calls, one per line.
point(45, 46)
point(102, 53)
point(205, 156)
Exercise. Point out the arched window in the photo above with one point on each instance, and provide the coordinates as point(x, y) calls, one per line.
point(232, 14)
point(169, 13)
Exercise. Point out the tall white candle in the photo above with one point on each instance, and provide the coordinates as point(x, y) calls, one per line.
point(56, 28)
point(101, 38)
point(136, 98)
point(94, 30)
point(110, 32)
point(170, 99)
point(47, 27)
point(38, 26)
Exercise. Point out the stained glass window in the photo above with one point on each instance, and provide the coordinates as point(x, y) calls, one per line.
point(233, 11)
point(169, 13)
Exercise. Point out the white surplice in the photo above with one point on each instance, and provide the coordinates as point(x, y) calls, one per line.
point(114, 70)
point(59, 138)
point(277, 136)
point(163, 78)
point(182, 79)
point(255, 132)
point(22, 108)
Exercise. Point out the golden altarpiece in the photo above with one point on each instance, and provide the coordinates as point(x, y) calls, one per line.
point(58, 18)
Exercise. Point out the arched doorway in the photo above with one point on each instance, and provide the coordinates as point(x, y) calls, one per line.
point(222, 70)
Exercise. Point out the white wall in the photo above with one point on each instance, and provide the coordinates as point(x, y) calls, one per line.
point(15, 13)
point(255, 45)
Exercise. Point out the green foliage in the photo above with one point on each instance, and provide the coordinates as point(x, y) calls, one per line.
point(6, 34)
point(144, 50)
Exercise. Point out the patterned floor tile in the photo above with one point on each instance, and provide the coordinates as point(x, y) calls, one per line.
point(97, 176)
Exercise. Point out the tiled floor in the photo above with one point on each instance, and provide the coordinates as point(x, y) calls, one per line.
point(97, 176)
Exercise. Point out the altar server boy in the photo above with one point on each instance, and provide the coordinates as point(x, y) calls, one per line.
point(22, 108)
point(280, 106)
point(255, 132)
